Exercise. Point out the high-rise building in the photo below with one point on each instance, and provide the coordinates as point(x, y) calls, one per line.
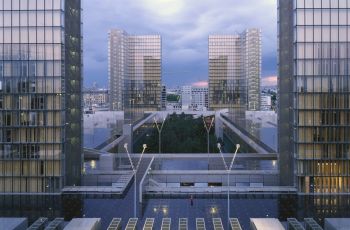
point(135, 73)
point(40, 95)
point(313, 108)
point(251, 51)
point(234, 71)
point(117, 67)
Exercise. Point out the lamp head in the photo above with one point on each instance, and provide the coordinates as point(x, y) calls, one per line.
point(219, 145)
point(144, 146)
point(238, 146)
point(126, 146)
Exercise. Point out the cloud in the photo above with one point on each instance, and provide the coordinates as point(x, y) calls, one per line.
point(200, 83)
point(184, 26)
point(269, 81)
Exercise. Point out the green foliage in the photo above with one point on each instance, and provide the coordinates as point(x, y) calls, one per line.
point(181, 134)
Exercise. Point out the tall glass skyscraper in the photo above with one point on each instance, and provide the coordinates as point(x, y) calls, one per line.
point(235, 71)
point(117, 67)
point(135, 64)
point(314, 96)
point(40, 95)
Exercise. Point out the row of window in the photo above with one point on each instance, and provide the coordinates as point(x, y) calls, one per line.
point(30, 52)
point(322, 34)
point(32, 102)
point(31, 35)
point(326, 50)
point(322, 67)
point(32, 119)
point(26, 135)
point(23, 184)
point(322, 102)
point(31, 18)
point(323, 135)
point(322, 3)
point(322, 84)
point(31, 69)
point(322, 17)
point(326, 151)
point(31, 4)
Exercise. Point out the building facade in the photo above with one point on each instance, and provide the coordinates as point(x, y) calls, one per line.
point(265, 102)
point(163, 100)
point(40, 95)
point(234, 71)
point(117, 67)
point(314, 95)
point(95, 97)
point(135, 73)
point(251, 51)
point(186, 97)
point(199, 98)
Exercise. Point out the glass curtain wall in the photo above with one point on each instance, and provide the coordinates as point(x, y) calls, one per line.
point(33, 95)
point(321, 95)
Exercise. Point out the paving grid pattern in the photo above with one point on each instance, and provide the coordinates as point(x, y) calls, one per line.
point(217, 223)
point(53, 225)
point(200, 224)
point(293, 224)
point(311, 224)
point(115, 224)
point(166, 223)
point(183, 224)
point(148, 224)
point(131, 224)
point(235, 225)
point(38, 224)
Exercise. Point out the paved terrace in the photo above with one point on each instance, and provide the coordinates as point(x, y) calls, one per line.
point(184, 223)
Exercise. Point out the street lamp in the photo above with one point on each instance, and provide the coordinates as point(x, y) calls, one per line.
point(134, 169)
point(228, 170)
point(208, 132)
point(160, 131)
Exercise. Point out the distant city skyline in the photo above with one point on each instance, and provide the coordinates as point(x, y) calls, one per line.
point(184, 27)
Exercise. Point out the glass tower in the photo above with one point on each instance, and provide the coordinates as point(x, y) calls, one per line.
point(40, 95)
point(234, 71)
point(135, 73)
point(117, 67)
point(317, 75)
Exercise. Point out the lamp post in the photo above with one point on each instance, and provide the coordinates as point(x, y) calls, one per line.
point(160, 132)
point(208, 132)
point(228, 170)
point(134, 169)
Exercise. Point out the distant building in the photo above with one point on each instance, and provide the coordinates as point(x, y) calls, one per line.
point(265, 102)
point(40, 96)
point(235, 71)
point(186, 97)
point(199, 98)
point(194, 98)
point(163, 99)
point(95, 97)
point(134, 73)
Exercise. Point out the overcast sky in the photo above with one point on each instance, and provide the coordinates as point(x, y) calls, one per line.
point(184, 26)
